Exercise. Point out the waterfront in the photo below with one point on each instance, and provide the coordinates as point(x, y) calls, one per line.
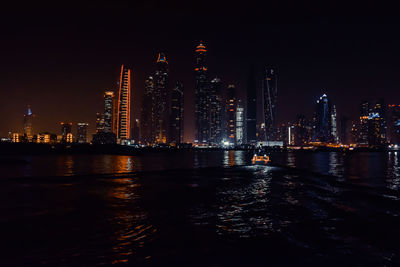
point(202, 208)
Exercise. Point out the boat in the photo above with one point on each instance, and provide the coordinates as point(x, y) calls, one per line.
point(260, 160)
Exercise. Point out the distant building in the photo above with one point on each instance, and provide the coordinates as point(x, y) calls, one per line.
point(322, 122)
point(251, 118)
point(334, 128)
point(100, 122)
point(394, 124)
point(66, 131)
point(135, 135)
point(28, 130)
point(161, 95)
point(15, 137)
point(270, 97)
point(231, 114)
point(124, 105)
point(148, 112)
point(202, 130)
point(216, 112)
point(377, 124)
point(177, 98)
point(108, 111)
point(81, 135)
point(240, 123)
point(363, 126)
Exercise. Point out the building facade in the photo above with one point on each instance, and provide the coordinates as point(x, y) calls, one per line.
point(270, 97)
point(81, 134)
point(28, 130)
point(148, 112)
point(240, 123)
point(177, 102)
point(161, 97)
point(202, 130)
point(108, 111)
point(231, 114)
point(216, 112)
point(124, 105)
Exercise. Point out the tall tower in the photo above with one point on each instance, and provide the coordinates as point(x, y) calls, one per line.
point(323, 120)
point(216, 109)
point(108, 111)
point(251, 119)
point(28, 131)
point(176, 131)
point(231, 114)
point(334, 128)
point(148, 112)
point(201, 96)
point(81, 133)
point(239, 123)
point(270, 94)
point(124, 104)
point(161, 99)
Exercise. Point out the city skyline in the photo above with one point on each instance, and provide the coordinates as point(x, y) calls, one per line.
point(340, 60)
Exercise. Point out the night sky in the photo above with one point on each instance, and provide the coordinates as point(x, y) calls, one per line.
point(61, 59)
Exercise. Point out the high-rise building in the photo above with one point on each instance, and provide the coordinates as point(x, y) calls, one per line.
point(323, 121)
point(177, 98)
point(216, 109)
point(363, 126)
point(124, 105)
point(99, 122)
point(270, 97)
point(28, 130)
point(334, 129)
point(231, 114)
point(301, 131)
point(161, 95)
point(251, 119)
point(66, 130)
point(135, 135)
point(239, 123)
point(81, 134)
point(148, 112)
point(108, 111)
point(377, 124)
point(202, 131)
point(394, 124)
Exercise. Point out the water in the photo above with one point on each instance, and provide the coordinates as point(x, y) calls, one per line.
point(201, 208)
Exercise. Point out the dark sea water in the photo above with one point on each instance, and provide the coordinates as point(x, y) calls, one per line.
point(204, 208)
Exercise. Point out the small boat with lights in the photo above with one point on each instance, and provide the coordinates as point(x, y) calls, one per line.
point(260, 160)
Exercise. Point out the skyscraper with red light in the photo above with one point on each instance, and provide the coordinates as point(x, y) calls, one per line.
point(161, 96)
point(124, 104)
point(202, 130)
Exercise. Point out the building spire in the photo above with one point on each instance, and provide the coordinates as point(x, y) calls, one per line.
point(162, 58)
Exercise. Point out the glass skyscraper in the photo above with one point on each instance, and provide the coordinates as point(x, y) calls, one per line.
point(108, 111)
point(177, 98)
point(216, 110)
point(270, 94)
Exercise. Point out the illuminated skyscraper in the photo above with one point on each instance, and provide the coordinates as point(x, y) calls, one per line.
point(216, 112)
point(177, 98)
point(334, 130)
point(108, 111)
point(81, 134)
point(394, 124)
point(202, 130)
point(239, 123)
point(66, 131)
point(28, 131)
point(161, 99)
point(99, 122)
point(231, 114)
point(377, 124)
point(124, 105)
point(362, 129)
point(270, 94)
point(251, 120)
point(323, 120)
point(148, 112)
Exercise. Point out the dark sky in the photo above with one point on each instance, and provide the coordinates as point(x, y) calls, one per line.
point(60, 59)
